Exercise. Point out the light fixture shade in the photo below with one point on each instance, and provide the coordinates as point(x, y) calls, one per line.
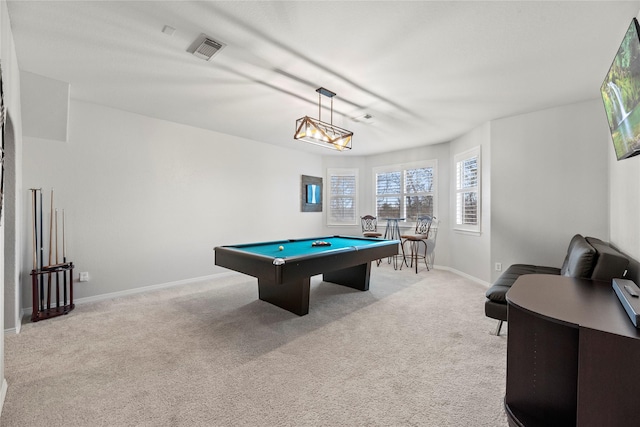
point(323, 134)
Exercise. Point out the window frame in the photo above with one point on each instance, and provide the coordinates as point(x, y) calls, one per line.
point(402, 168)
point(331, 172)
point(474, 229)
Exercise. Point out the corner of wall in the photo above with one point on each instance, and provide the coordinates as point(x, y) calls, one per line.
point(3, 393)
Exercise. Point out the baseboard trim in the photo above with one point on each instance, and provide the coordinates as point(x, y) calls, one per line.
point(16, 330)
point(465, 275)
point(143, 289)
point(18, 327)
point(3, 393)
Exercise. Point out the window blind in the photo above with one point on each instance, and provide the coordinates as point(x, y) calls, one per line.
point(388, 183)
point(467, 190)
point(342, 198)
point(405, 192)
point(468, 173)
point(418, 180)
point(388, 188)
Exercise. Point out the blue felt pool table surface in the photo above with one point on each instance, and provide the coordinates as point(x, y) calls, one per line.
point(304, 247)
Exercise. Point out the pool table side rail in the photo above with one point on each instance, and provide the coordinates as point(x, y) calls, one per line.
point(244, 262)
point(369, 241)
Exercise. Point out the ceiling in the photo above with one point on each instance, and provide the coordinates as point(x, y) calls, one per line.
point(426, 71)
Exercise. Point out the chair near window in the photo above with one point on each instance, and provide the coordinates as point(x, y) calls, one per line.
point(370, 229)
point(369, 226)
point(417, 240)
point(431, 242)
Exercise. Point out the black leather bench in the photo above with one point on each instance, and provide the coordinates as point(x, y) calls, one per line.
point(587, 257)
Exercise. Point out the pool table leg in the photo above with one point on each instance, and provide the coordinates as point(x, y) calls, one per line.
point(356, 277)
point(292, 296)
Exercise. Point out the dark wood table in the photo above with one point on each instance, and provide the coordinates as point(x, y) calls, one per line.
point(284, 267)
point(573, 355)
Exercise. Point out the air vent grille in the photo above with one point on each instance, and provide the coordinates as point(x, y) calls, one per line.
point(365, 118)
point(206, 47)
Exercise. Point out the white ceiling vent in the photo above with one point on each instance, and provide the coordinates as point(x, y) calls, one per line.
point(205, 47)
point(366, 118)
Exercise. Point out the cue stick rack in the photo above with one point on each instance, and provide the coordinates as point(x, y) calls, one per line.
point(51, 284)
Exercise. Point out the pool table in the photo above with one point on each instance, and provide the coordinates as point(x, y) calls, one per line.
point(284, 267)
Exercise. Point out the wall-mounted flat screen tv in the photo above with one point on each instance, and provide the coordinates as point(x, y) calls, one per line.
point(621, 95)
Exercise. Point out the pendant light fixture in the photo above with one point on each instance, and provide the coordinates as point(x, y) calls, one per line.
point(315, 131)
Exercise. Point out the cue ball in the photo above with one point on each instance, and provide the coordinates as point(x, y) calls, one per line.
point(281, 248)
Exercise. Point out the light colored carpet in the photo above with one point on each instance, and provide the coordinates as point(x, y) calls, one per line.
point(414, 350)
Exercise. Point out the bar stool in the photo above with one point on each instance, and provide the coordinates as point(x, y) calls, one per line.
point(392, 232)
point(369, 226)
point(423, 226)
point(431, 242)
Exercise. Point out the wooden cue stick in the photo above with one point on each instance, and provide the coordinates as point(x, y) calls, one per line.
point(35, 228)
point(34, 201)
point(41, 264)
point(50, 251)
point(64, 260)
point(57, 274)
point(51, 231)
point(57, 261)
point(64, 247)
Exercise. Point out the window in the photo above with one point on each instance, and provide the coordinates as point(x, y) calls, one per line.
point(468, 190)
point(406, 191)
point(342, 200)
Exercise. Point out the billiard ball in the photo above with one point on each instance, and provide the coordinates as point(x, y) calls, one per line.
point(281, 248)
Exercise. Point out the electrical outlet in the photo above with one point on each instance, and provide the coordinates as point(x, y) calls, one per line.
point(498, 266)
point(84, 276)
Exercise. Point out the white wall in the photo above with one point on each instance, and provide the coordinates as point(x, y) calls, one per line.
point(46, 106)
point(471, 253)
point(10, 230)
point(549, 181)
point(147, 200)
